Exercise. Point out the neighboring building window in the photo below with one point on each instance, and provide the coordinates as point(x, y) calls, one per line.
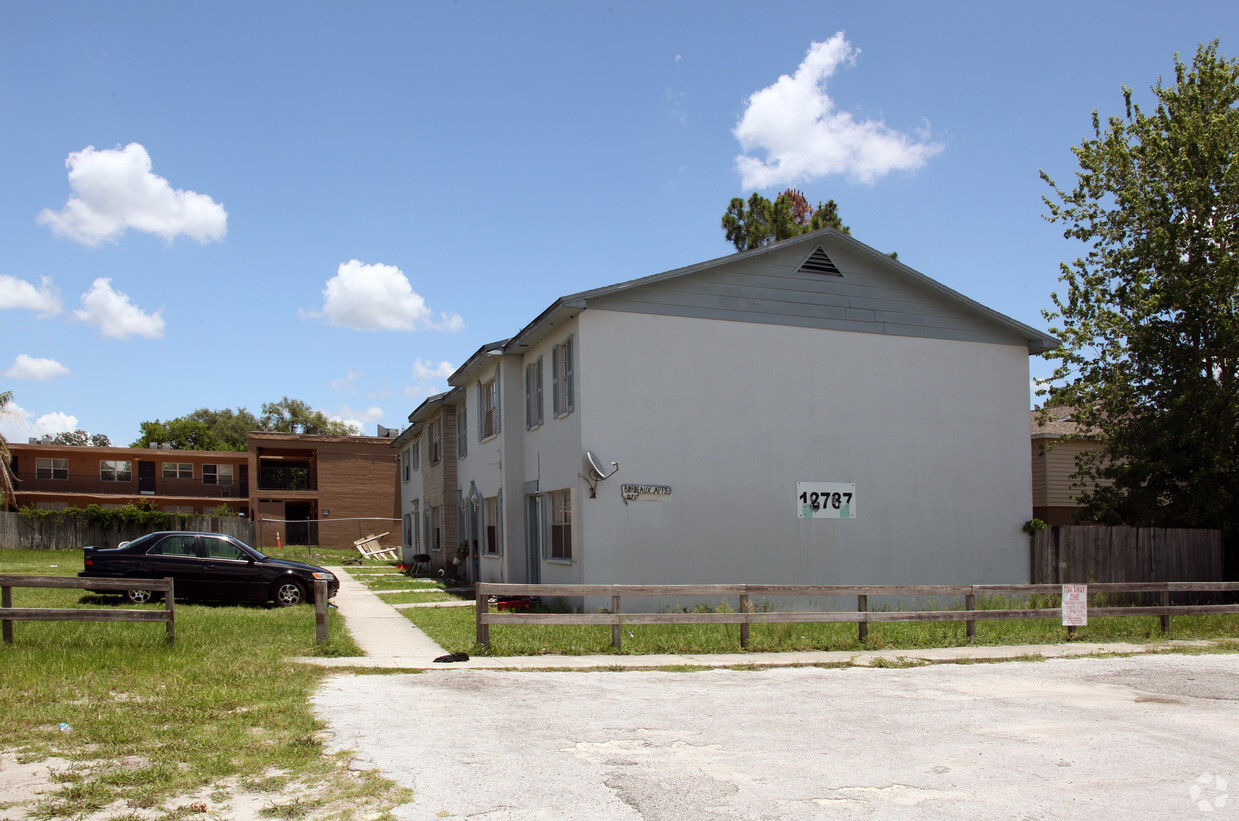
point(406, 465)
point(178, 470)
point(114, 471)
point(415, 455)
point(563, 378)
point(561, 524)
point(436, 528)
point(488, 409)
point(533, 394)
point(462, 432)
point(45, 468)
point(178, 508)
point(216, 474)
point(51, 505)
point(490, 518)
point(408, 529)
point(435, 441)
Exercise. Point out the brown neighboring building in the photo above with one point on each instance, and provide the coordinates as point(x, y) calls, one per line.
point(53, 477)
point(347, 483)
point(323, 490)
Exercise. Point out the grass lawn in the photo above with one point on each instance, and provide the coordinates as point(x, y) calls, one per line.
point(454, 628)
point(179, 729)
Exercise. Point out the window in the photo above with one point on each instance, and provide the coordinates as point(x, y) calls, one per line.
point(415, 455)
point(114, 471)
point(436, 528)
point(488, 409)
point(176, 546)
point(533, 394)
point(435, 441)
point(415, 526)
point(222, 549)
point(490, 519)
point(216, 474)
point(178, 470)
point(178, 509)
point(462, 432)
point(561, 524)
point(562, 387)
point(51, 468)
point(404, 462)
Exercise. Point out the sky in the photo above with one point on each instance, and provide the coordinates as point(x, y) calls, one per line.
point(221, 204)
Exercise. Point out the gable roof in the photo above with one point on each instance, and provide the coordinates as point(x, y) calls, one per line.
point(824, 279)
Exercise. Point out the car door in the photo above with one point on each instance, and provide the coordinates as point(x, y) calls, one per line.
point(230, 572)
point(175, 555)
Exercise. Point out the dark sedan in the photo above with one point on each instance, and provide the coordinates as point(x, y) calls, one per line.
point(207, 566)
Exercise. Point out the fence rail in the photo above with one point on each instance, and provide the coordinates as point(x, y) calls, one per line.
point(745, 615)
point(9, 613)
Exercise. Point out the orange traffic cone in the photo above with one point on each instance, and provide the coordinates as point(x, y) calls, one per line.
point(277, 538)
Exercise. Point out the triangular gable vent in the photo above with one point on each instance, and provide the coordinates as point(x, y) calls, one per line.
point(819, 263)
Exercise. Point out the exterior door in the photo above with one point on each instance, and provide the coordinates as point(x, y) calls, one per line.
point(146, 478)
point(533, 538)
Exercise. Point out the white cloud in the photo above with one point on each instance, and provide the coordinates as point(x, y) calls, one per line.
point(345, 383)
point(35, 369)
point(17, 293)
point(115, 316)
point(379, 298)
point(16, 428)
point(429, 370)
point(804, 137)
point(114, 190)
point(364, 420)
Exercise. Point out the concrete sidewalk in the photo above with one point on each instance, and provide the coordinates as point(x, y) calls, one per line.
point(391, 641)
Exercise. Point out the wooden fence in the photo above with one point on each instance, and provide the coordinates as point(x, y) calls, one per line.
point(1085, 555)
point(9, 613)
point(60, 533)
point(744, 614)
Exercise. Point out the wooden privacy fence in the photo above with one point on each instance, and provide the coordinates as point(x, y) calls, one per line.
point(745, 615)
point(1083, 554)
point(69, 531)
point(9, 613)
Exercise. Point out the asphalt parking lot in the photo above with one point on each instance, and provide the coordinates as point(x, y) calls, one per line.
point(1150, 737)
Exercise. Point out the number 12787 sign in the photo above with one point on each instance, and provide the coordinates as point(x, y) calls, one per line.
point(825, 500)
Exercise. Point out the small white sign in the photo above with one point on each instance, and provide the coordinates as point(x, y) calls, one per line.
point(825, 500)
point(1075, 605)
point(646, 493)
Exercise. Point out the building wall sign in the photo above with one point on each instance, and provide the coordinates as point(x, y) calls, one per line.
point(646, 493)
point(825, 500)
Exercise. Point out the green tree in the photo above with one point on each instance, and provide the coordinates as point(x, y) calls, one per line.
point(1150, 313)
point(80, 438)
point(6, 460)
point(182, 433)
point(295, 416)
point(760, 222)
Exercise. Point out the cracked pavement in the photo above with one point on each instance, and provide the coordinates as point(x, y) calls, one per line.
point(1150, 736)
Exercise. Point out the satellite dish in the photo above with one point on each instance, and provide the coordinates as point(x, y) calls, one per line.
point(596, 473)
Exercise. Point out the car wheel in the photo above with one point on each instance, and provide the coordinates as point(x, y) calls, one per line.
point(288, 593)
point(140, 596)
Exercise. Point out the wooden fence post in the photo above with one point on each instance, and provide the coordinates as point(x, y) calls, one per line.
point(616, 629)
point(6, 600)
point(862, 606)
point(169, 606)
point(320, 611)
point(480, 609)
point(971, 624)
point(746, 608)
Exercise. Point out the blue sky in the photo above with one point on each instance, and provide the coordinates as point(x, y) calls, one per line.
point(220, 204)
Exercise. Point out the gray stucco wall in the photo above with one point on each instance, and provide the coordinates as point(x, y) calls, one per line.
point(732, 415)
